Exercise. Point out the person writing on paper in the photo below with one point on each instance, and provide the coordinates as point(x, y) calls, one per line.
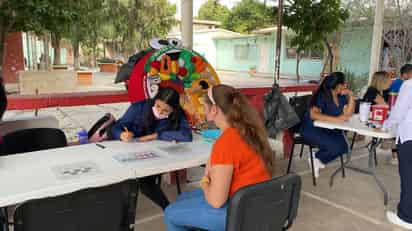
point(377, 91)
point(161, 118)
point(400, 121)
point(332, 102)
point(241, 156)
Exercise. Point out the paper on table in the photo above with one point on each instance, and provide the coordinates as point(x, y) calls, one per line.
point(131, 157)
point(75, 170)
point(176, 149)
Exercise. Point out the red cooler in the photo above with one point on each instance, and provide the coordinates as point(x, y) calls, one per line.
point(379, 113)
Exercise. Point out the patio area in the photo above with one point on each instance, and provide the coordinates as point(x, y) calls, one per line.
point(354, 203)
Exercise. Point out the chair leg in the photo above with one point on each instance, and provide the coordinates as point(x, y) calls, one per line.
point(301, 150)
point(179, 190)
point(376, 158)
point(312, 166)
point(353, 141)
point(342, 163)
point(290, 158)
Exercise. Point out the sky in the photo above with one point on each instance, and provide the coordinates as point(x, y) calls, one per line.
point(198, 3)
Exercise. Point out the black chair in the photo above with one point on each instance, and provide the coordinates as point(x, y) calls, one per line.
point(34, 139)
point(267, 206)
point(301, 105)
point(28, 140)
point(109, 208)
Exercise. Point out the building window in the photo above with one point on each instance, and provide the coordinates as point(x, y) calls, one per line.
point(241, 52)
point(316, 54)
point(291, 53)
point(311, 54)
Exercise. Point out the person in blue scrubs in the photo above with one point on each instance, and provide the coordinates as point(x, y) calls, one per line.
point(161, 118)
point(333, 102)
point(406, 73)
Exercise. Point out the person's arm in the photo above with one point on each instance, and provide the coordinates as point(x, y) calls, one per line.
point(316, 114)
point(349, 109)
point(216, 191)
point(184, 134)
point(379, 100)
point(127, 121)
point(402, 105)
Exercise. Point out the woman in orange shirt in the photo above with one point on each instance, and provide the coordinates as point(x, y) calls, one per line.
point(241, 156)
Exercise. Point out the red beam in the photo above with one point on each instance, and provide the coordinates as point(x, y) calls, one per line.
point(25, 102)
point(30, 102)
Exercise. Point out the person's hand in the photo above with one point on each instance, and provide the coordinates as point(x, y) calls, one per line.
point(204, 182)
point(148, 138)
point(342, 118)
point(347, 92)
point(126, 136)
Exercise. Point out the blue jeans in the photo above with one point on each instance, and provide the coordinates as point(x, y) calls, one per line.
point(191, 210)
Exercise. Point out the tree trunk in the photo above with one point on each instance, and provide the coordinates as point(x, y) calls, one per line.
point(46, 54)
point(56, 45)
point(76, 62)
point(297, 66)
point(330, 55)
point(94, 55)
point(104, 49)
point(34, 58)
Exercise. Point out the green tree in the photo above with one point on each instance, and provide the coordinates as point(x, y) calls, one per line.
point(314, 23)
point(19, 15)
point(135, 23)
point(85, 25)
point(213, 10)
point(41, 17)
point(249, 15)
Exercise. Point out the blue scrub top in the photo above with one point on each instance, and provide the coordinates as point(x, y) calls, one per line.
point(327, 108)
point(396, 85)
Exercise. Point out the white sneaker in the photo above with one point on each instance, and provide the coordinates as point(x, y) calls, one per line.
point(394, 219)
point(319, 163)
point(394, 161)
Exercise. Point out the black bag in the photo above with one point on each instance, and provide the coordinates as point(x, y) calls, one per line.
point(278, 113)
point(124, 72)
point(101, 130)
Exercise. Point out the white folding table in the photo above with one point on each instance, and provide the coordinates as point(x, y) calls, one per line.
point(65, 170)
point(354, 125)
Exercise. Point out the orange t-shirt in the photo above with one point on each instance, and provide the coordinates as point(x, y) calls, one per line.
point(248, 166)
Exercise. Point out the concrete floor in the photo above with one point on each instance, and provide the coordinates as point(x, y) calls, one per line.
point(352, 204)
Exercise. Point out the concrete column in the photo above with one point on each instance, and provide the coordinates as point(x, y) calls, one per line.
point(377, 38)
point(187, 23)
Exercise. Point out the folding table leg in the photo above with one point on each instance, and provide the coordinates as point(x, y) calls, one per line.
point(179, 190)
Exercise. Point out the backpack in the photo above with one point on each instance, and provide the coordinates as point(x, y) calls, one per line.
point(101, 130)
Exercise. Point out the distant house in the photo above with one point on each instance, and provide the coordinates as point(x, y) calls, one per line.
point(204, 33)
point(197, 25)
point(257, 50)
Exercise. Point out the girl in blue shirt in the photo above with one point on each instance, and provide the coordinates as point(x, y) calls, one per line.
point(161, 118)
point(333, 102)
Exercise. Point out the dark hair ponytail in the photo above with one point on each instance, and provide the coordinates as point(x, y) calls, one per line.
point(246, 119)
point(328, 84)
